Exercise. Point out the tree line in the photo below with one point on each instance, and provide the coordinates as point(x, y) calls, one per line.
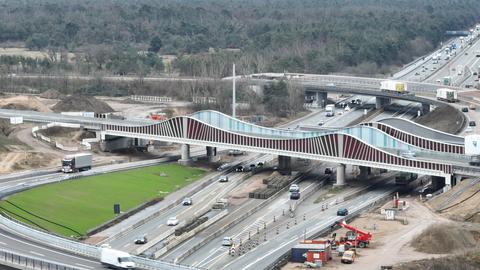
point(129, 37)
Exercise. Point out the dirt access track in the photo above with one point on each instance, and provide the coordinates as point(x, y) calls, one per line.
point(390, 241)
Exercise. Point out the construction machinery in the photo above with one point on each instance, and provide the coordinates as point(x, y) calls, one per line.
point(354, 237)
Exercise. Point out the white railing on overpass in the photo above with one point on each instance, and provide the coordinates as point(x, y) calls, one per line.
point(77, 247)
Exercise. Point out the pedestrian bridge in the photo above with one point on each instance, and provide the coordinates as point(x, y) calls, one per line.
point(375, 145)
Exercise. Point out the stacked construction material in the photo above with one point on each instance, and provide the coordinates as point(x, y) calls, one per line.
point(274, 182)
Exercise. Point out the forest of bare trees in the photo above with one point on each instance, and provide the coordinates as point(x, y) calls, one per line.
point(130, 37)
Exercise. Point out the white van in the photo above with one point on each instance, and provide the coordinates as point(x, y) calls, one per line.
point(116, 259)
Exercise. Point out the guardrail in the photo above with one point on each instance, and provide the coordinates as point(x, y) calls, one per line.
point(28, 262)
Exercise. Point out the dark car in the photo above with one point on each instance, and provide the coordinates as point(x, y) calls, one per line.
point(342, 212)
point(328, 171)
point(294, 195)
point(140, 241)
point(465, 109)
point(187, 201)
point(239, 168)
point(472, 123)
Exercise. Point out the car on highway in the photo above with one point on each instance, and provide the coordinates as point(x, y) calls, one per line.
point(172, 221)
point(465, 109)
point(227, 241)
point(224, 166)
point(342, 212)
point(328, 171)
point(472, 107)
point(234, 152)
point(260, 164)
point(294, 188)
point(321, 123)
point(408, 154)
point(187, 201)
point(416, 73)
point(347, 108)
point(472, 123)
point(141, 240)
point(295, 195)
point(223, 178)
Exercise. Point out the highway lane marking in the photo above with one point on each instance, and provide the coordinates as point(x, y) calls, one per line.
point(126, 245)
point(82, 265)
point(36, 253)
point(46, 249)
point(2, 243)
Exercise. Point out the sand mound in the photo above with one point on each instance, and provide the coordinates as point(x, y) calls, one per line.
point(469, 261)
point(444, 118)
point(446, 238)
point(51, 94)
point(28, 103)
point(79, 103)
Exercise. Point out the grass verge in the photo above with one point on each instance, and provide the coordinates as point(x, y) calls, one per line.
point(71, 208)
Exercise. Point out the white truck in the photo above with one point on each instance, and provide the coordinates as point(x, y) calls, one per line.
point(472, 148)
point(116, 259)
point(446, 94)
point(77, 162)
point(330, 110)
point(393, 86)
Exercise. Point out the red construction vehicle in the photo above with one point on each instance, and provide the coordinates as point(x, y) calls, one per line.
point(157, 116)
point(354, 237)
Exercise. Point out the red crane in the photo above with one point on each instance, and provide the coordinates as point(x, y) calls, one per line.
point(354, 237)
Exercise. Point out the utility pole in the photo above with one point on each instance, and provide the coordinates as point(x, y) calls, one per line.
point(233, 93)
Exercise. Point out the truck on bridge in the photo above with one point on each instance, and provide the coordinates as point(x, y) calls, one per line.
point(446, 94)
point(393, 86)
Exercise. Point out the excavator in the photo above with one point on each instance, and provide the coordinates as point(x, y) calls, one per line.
point(353, 238)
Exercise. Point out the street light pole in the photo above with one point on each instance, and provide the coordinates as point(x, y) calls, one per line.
point(233, 93)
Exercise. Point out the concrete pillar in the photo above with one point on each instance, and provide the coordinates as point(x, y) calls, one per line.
point(448, 183)
point(285, 164)
point(425, 108)
point(340, 175)
point(364, 172)
point(186, 159)
point(321, 99)
point(212, 153)
point(381, 101)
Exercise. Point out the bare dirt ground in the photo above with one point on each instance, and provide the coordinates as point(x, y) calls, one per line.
point(240, 194)
point(23, 103)
point(390, 244)
point(143, 110)
point(460, 203)
point(445, 118)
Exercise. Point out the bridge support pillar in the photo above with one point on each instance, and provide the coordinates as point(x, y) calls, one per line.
point(340, 175)
point(425, 108)
point(284, 164)
point(186, 159)
point(381, 101)
point(364, 172)
point(321, 99)
point(448, 183)
point(212, 154)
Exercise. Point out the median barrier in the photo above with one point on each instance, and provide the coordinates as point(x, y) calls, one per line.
point(235, 222)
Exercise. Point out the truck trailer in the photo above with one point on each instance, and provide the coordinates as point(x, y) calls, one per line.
point(116, 259)
point(472, 149)
point(393, 86)
point(77, 162)
point(446, 94)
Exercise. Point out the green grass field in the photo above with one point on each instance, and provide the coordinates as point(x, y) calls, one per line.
point(81, 205)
